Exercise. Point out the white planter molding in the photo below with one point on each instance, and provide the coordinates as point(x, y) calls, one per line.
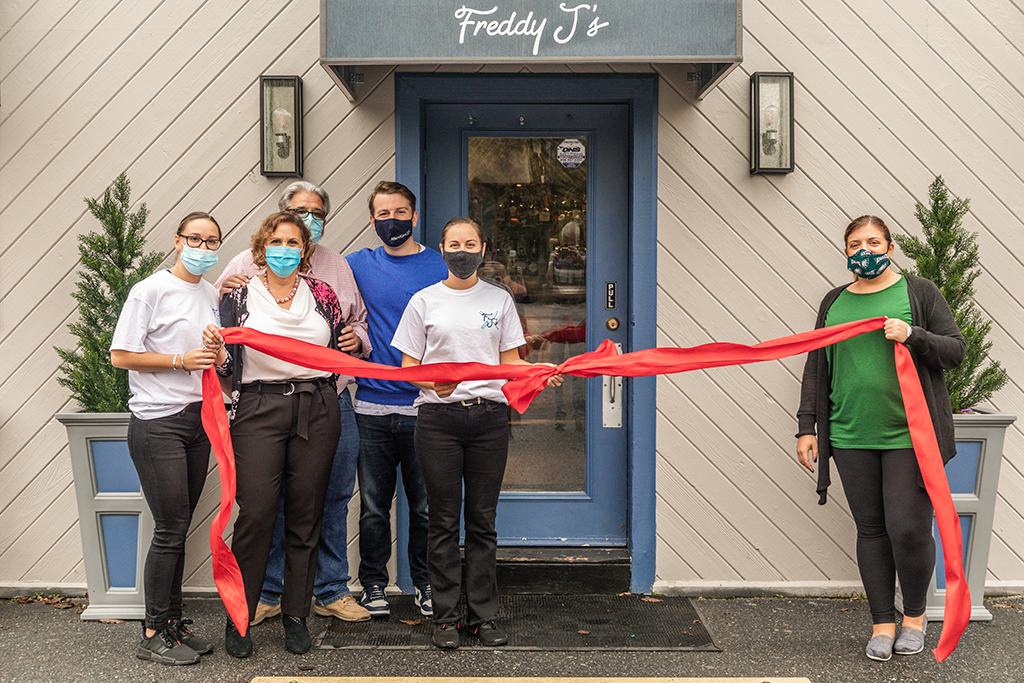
point(114, 520)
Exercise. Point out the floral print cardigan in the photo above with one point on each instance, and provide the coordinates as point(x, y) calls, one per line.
point(234, 310)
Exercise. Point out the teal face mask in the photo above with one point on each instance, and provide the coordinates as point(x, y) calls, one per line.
point(315, 225)
point(868, 264)
point(197, 261)
point(283, 260)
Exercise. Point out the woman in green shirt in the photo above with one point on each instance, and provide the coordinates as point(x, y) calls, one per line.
point(851, 410)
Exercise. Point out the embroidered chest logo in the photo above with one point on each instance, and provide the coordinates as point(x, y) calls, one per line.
point(489, 320)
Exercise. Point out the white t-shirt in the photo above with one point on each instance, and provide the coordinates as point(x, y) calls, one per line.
point(301, 321)
point(165, 314)
point(444, 325)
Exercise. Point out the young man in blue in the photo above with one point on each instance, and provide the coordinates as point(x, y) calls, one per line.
point(388, 276)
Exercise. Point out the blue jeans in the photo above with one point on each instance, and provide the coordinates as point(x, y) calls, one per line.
point(332, 577)
point(386, 443)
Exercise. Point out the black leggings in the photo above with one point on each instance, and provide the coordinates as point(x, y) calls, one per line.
point(894, 527)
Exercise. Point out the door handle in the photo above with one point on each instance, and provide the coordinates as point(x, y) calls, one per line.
point(611, 400)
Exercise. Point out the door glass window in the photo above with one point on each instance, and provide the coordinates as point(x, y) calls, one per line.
point(530, 197)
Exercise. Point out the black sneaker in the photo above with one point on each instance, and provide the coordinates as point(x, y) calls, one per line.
point(186, 637)
point(164, 648)
point(489, 633)
point(375, 600)
point(296, 635)
point(235, 644)
point(446, 636)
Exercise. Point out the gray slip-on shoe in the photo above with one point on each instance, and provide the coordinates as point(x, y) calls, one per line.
point(910, 640)
point(879, 648)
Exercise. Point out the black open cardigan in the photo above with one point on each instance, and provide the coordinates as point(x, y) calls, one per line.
point(935, 345)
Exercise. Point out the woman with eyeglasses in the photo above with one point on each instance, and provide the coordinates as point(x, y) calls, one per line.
point(157, 340)
point(462, 428)
point(285, 422)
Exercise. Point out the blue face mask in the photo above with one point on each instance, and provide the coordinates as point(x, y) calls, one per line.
point(868, 264)
point(315, 225)
point(393, 231)
point(197, 261)
point(283, 260)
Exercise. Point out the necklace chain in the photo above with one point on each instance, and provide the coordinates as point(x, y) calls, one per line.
point(288, 298)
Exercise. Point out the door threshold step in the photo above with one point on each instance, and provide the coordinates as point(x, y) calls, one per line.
point(563, 571)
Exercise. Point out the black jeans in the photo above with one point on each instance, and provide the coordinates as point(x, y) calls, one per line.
point(269, 449)
point(894, 527)
point(456, 445)
point(171, 455)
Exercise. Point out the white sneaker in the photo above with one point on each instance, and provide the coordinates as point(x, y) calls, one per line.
point(424, 600)
point(375, 601)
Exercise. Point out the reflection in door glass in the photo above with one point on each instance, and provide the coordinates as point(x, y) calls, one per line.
point(533, 210)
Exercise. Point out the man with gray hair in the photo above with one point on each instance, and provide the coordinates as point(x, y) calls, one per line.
point(330, 589)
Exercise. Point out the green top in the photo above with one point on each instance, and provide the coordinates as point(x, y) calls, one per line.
point(866, 403)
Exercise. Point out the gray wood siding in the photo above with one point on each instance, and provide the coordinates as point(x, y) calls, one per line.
point(888, 94)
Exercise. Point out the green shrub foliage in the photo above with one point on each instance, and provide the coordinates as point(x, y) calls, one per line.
point(112, 261)
point(948, 256)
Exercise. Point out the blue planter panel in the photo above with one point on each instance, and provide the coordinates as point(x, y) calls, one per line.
point(940, 563)
point(115, 471)
point(120, 548)
point(962, 471)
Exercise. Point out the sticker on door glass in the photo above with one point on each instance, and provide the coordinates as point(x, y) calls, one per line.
point(571, 153)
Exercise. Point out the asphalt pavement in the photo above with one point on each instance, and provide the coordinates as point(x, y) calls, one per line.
point(821, 639)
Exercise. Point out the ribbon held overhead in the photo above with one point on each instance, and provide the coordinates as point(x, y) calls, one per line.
point(527, 381)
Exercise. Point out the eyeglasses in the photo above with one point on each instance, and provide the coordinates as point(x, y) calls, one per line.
point(195, 241)
point(301, 212)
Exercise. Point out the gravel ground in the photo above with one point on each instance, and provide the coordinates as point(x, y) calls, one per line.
point(820, 639)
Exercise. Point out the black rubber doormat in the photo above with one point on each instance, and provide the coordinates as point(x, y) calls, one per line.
point(545, 622)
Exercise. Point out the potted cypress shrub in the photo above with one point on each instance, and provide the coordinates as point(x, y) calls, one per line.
point(113, 517)
point(948, 256)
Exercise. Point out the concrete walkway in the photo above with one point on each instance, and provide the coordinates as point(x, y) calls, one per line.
point(763, 639)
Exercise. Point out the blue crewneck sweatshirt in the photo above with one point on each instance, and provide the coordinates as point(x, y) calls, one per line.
point(387, 283)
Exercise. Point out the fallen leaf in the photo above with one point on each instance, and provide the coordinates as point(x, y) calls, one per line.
point(411, 622)
point(583, 633)
point(306, 667)
point(111, 621)
point(648, 598)
point(23, 599)
point(626, 593)
point(999, 604)
point(65, 605)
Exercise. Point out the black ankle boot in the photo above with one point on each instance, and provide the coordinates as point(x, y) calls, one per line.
point(296, 635)
point(235, 644)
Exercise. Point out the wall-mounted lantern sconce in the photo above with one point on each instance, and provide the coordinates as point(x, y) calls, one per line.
point(281, 126)
point(771, 122)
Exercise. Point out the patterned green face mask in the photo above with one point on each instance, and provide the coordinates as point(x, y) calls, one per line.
point(868, 264)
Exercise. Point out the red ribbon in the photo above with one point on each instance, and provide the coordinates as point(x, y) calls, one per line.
point(530, 380)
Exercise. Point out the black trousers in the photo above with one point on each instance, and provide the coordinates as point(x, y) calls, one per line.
point(171, 455)
point(893, 515)
point(463, 445)
point(267, 434)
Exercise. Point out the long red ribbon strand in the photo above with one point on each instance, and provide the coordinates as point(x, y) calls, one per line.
point(530, 380)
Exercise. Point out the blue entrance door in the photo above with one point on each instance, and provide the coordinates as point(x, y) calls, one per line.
point(549, 184)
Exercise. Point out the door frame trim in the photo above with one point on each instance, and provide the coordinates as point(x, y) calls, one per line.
point(640, 91)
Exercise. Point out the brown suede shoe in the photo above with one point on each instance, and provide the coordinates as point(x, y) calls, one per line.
point(345, 608)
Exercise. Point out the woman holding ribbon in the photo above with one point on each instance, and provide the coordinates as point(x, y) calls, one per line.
point(155, 340)
point(285, 422)
point(851, 410)
point(462, 428)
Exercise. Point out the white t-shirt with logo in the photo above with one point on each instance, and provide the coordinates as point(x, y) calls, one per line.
point(444, 325)
point(165, 314)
